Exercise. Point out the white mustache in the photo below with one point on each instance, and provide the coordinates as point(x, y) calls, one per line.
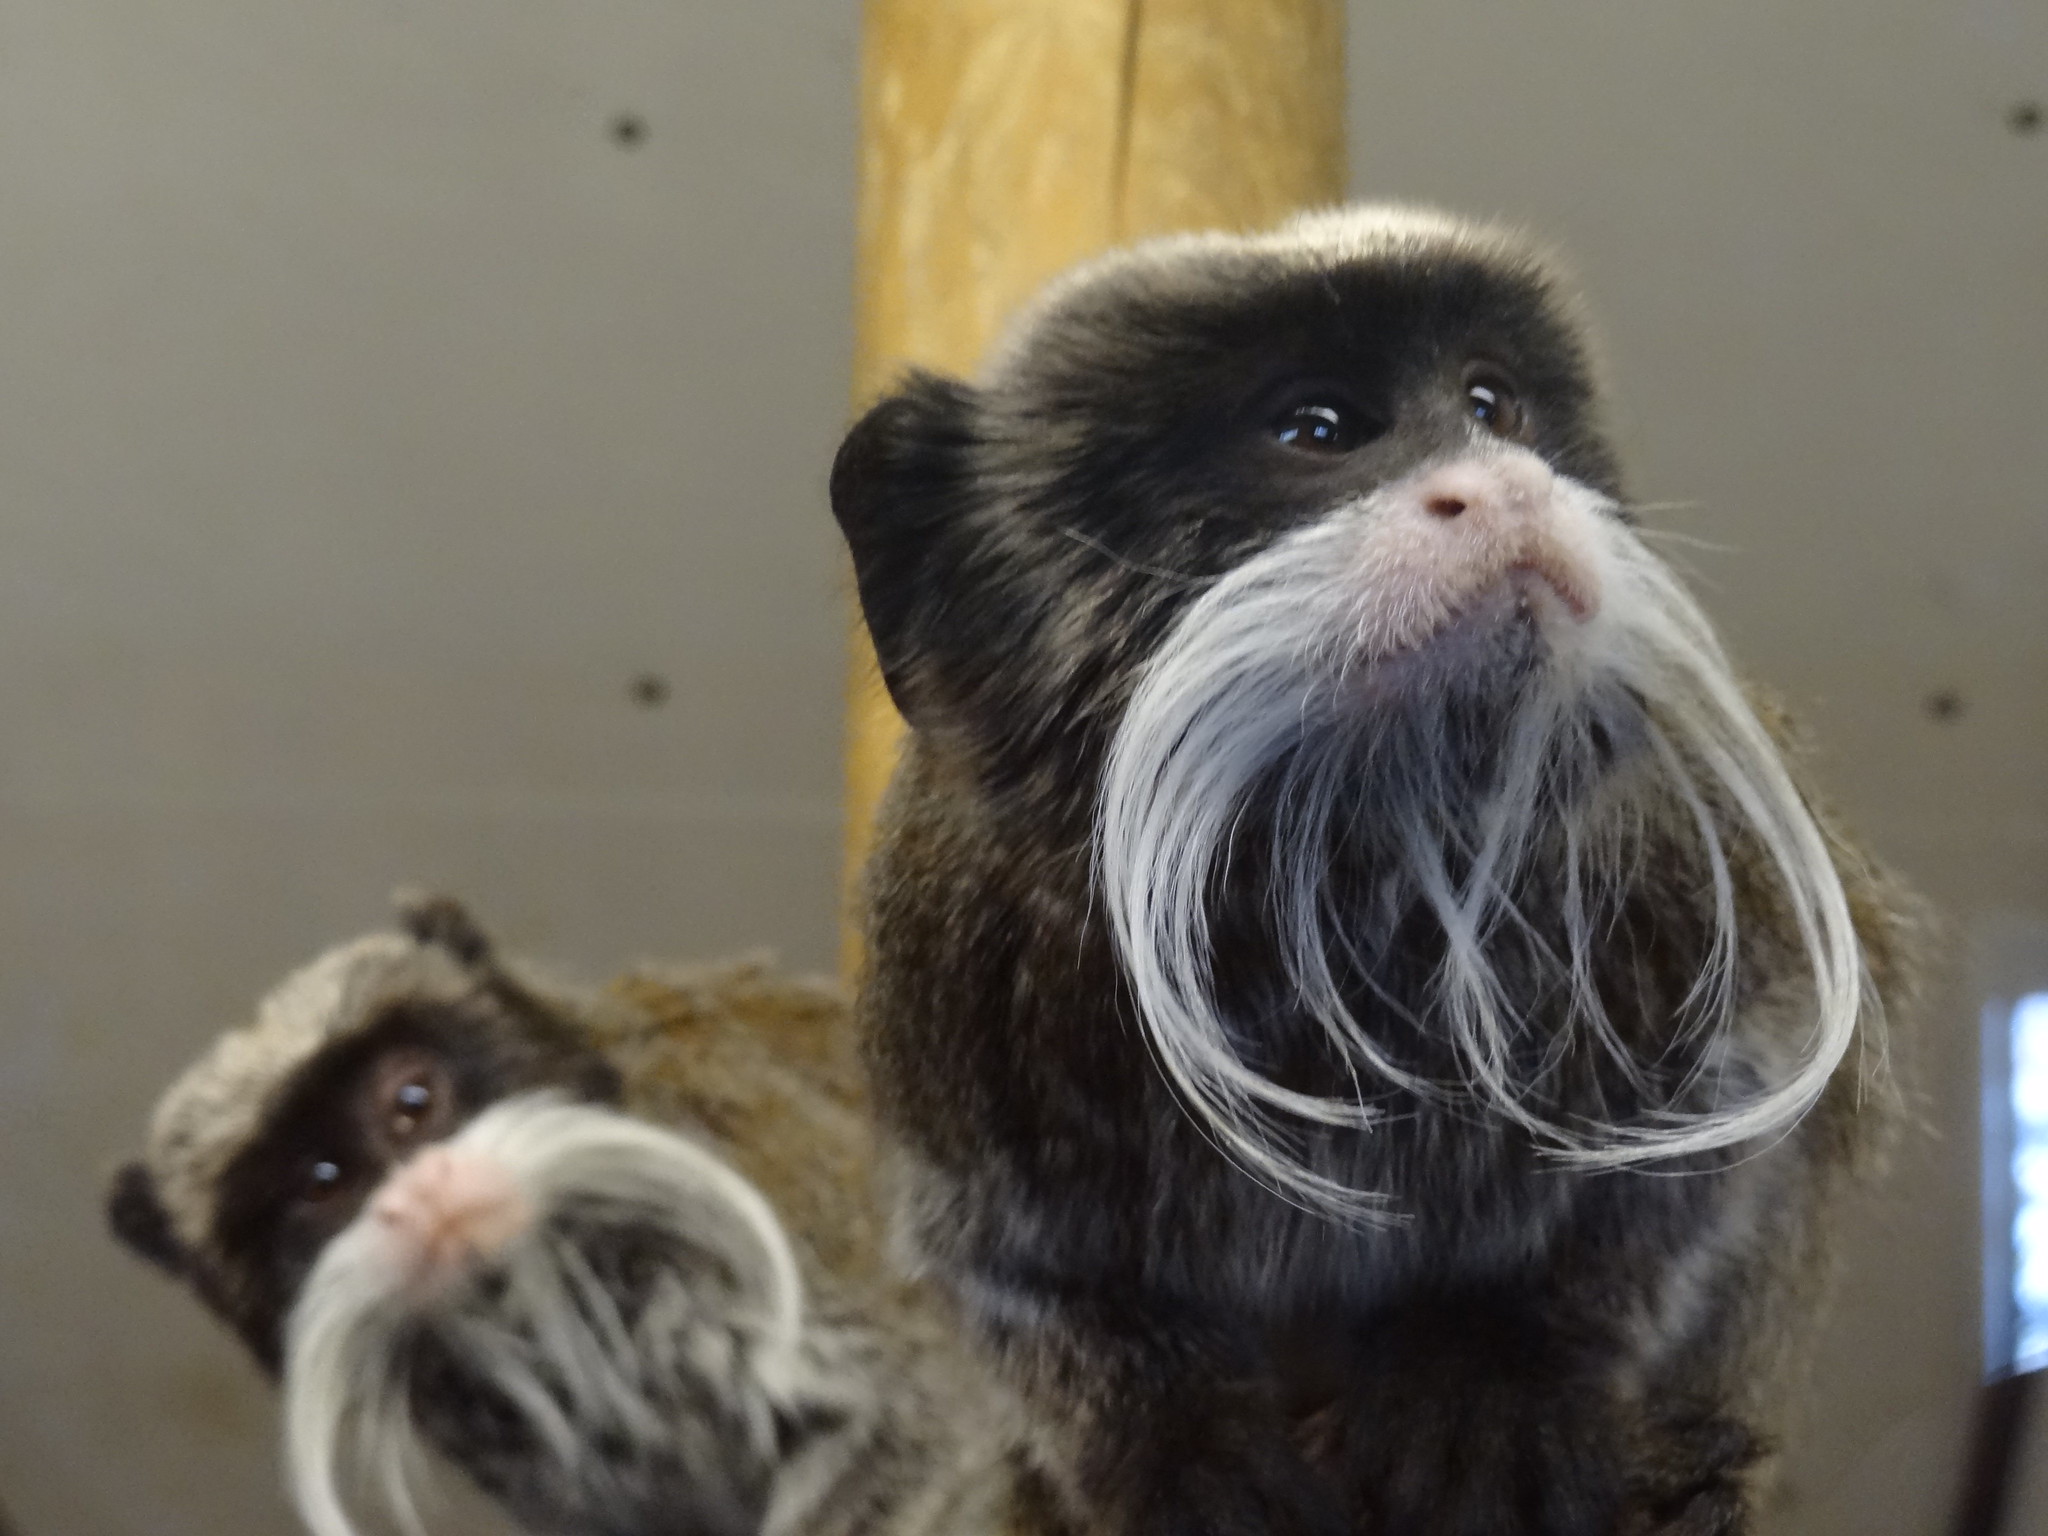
point(1248, 691)
point(549, 1338)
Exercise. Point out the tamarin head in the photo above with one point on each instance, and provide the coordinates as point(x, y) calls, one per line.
point(275, 1140)
point(1288, 581)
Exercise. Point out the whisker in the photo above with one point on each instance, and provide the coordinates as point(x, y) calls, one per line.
point(1689, 540)
point(1080, 536)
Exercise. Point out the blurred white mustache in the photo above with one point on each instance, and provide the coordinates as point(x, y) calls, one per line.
point(547, 1336)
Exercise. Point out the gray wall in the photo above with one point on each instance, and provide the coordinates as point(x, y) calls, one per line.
point(369, 418)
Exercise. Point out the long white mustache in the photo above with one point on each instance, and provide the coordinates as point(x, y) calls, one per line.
point(551, 1340)
point(1244, 695)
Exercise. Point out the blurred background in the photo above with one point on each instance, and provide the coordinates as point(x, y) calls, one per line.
point(414, 417)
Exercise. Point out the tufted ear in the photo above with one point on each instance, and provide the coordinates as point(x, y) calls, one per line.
point(446, 923)
point(903, 473)
point(138, 1219)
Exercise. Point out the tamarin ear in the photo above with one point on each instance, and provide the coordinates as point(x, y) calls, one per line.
point(444, 922)
point(900, 477)
point(138, 1219)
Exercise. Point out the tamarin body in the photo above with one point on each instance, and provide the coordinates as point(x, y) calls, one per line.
point(1369, 1022)
point(613, 1254)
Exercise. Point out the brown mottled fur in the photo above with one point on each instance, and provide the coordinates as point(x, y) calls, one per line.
point(768, 1067)
point(916, 1441)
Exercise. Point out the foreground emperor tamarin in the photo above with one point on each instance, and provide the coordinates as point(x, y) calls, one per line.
point(1369, 1020)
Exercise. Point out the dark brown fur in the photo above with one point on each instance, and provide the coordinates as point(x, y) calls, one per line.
point(1526, 1349)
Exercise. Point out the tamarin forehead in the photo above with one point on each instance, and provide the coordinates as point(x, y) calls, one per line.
point(1351, 284)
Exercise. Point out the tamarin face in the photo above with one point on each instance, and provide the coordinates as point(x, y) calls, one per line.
point(272, 1144)
point(1163, 418)
point(1286, 580)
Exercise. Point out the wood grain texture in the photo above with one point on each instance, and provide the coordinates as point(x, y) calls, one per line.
point(1004, 140)
point(1236, 116)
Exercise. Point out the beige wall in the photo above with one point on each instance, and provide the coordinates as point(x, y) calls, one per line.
point(369, 418)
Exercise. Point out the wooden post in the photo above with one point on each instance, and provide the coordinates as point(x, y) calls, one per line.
point(1003, 140)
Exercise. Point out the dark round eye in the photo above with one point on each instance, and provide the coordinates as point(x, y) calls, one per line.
point(1320, 426)
point(409, 1105)
point(1491, 401)
point(322, 1180)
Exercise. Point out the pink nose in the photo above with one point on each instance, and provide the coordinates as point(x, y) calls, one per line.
point(1459, 529)
point(446, 1207)
point(1507, 490)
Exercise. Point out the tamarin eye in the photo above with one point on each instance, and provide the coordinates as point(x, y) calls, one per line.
point(1320, 426)
point(410, 1105)
point(1491, 401)
point(322, 1180)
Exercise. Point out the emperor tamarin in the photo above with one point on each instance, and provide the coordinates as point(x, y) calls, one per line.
point(610, 1252)
point(1369, 1017)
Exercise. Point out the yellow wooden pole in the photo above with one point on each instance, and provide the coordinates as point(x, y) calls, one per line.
point(1003, 140)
